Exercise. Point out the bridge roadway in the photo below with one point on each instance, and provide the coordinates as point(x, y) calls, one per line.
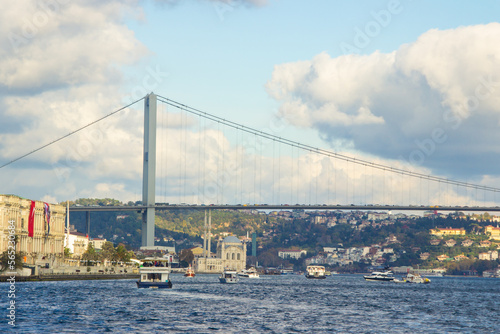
point(351, 207)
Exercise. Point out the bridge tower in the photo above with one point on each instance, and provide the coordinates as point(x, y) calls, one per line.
point(149, 171)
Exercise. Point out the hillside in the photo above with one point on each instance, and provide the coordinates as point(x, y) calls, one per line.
point(406, 238)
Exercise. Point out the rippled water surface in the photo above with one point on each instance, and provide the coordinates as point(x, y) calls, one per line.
point(271, 304)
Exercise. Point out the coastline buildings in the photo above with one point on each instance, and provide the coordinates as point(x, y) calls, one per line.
point(77, 243)
point(39, 229)
point(291, 253)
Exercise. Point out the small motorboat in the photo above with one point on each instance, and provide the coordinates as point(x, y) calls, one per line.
point(416, 278)
point(189, 272)
point(229, 276)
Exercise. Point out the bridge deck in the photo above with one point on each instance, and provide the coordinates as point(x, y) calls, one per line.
point(284, 207)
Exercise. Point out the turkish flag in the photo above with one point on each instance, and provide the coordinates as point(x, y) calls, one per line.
point(31, 220)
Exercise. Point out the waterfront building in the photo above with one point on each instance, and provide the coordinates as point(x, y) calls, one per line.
point(76, 242)
point(231, 253)
point(291, 253)
point(97, 243)
point(39, 229)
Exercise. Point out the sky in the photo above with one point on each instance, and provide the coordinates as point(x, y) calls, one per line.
point(408, 84)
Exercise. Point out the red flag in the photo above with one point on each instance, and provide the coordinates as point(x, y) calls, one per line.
point(31, 220)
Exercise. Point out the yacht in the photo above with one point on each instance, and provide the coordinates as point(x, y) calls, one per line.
point(384, 276)
point(249, 273)
point(317, 272)
point(154, 274)
point(228, 276)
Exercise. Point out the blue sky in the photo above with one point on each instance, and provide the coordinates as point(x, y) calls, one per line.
point(410, 84)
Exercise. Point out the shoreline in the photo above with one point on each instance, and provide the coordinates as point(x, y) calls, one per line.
point(69, 277)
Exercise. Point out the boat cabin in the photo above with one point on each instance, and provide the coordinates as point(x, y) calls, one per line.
point(154, 273)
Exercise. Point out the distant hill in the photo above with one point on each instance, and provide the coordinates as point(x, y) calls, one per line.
point(408, 237)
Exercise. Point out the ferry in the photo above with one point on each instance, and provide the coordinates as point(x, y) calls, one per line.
point(229, 276)
point(317, 272)
point(154, 274)
point(189, 272)
point(249, 273)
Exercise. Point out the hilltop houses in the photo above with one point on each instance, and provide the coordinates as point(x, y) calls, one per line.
point(494, 232)
point(448, 231)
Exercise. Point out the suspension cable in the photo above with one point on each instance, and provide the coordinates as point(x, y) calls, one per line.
point(70, 134)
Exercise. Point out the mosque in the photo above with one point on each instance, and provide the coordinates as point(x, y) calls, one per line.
point(231, 253)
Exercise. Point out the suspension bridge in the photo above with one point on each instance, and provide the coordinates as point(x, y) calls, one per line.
point(196, 160)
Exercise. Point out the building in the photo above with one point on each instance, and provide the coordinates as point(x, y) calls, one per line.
point(435, 242)
point(424, 256)
point(77, 243)
point(97, 243)
point(291, 253)
point(490, 255)
point(448, 231)
point(442, 257)
point(450, 243)
point(197, 251)
point(231, 253)
point(467, 243)
point(485, 243)
point(494, 232)
point(39, 229)
point(460, 257)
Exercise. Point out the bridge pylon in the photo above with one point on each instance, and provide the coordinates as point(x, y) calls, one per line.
point(149, 171)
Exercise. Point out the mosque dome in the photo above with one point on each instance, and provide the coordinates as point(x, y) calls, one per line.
point(231, 239)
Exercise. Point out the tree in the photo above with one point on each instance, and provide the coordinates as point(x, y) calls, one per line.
point(6, 260)
point(108, 251)
point(186, 257)
point(90, 254)
point(122, 254)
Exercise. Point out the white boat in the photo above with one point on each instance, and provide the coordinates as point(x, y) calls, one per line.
point(229, 276)
point(381, 276)
point(416, 278)
point(249, 273)
point(189, 272)
point(317, 272)
point(154, 274)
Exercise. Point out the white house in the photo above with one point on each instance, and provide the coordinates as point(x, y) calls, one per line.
point(291, 253)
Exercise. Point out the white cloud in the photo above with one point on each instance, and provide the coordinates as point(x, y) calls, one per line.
point(67, 72)
point(433, 102)
point(61, 69)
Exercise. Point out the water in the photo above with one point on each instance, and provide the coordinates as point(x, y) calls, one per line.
point(271, 304)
